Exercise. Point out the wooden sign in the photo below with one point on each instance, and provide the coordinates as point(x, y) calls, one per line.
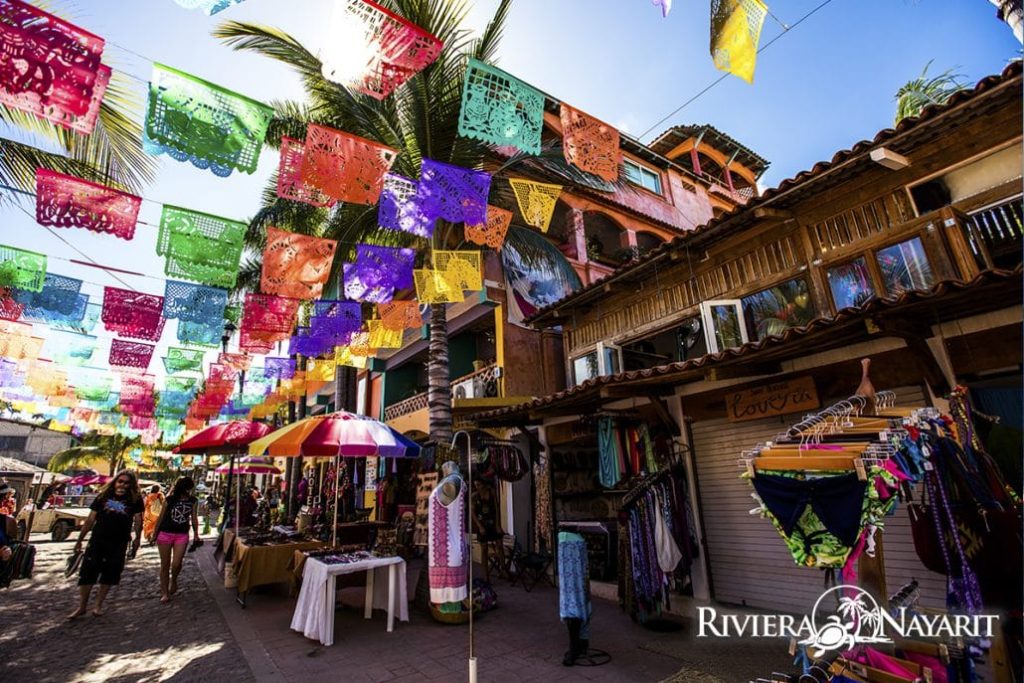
point(779, 398)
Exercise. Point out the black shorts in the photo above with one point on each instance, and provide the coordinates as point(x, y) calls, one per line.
point(103, 565)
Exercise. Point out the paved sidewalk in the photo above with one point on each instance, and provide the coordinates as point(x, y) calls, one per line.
point(137, 640)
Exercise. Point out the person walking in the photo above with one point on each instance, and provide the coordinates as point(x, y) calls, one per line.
point(181, 510)
point(115, 513)
point(154, 503)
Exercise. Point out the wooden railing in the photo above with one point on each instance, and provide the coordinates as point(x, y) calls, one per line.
point(409, 405)
point(994, 234)
point(483, 383)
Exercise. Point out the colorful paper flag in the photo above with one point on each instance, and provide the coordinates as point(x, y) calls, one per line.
point(492, 233)
point(499, 109)
point(201, 247)
point(536, 201)
point(63, 201)
point(346, 167)
point(590, 144)
point(735, 34)
point(294, 265)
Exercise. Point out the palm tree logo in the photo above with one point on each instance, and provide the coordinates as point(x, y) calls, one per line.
point(855, 619)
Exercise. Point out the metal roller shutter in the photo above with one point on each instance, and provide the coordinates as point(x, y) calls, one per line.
point(749, 562)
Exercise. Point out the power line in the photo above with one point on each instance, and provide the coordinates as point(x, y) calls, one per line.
point(786, 30)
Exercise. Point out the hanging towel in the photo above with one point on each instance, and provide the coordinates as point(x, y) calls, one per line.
point(668, 552)
point(609, 453)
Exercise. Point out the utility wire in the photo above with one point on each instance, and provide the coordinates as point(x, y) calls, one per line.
point(786, 30)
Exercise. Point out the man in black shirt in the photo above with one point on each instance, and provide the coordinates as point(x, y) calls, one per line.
point(115, 512)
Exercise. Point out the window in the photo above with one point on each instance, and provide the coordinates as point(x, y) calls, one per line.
point(584, 368)
point(851, 284)
point(606, 359)
point(642, 176)
point(17, 444)
point(724, 326)
point(773, 311)
point(904, 267)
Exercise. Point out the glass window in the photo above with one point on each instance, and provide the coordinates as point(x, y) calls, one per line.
point(642, 176)
point(773, 311)
point(723, 324)
point(851, 284)
point(610, 355)
point(905, 266)
point(584, 367)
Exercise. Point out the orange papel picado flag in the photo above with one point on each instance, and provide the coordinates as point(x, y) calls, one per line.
point(735, 33)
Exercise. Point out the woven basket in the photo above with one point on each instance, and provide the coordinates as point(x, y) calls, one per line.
point(449, 617)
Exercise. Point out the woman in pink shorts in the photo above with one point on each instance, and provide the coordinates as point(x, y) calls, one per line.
point(179, 513)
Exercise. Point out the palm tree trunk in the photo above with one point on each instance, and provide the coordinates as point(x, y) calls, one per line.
point(439, 386)
point(1012, 12)
point(345, 397)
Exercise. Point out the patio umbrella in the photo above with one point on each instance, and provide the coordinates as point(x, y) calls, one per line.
point(226, 437)
point(340, 434)
point(88, 479)
point(249, 465)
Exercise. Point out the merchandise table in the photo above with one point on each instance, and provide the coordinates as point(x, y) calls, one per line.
point(314, 612)
point(260, 565)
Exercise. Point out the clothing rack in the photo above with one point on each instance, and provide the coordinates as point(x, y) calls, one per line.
point(645, 483)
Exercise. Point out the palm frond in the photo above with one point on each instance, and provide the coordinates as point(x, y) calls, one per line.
point(923, 91)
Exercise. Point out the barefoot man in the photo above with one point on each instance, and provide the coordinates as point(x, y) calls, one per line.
point(115, 512)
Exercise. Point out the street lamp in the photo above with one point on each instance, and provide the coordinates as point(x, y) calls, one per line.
point(229, 329)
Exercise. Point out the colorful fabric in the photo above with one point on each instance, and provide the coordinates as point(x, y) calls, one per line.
point(735, 33)
point(133, 314)
point(192, 302)
point(22, 269)
point(573, 577)
point(344, 166)
point(462, 269)
point(194, 120)
point(432, 287)
point(63, 201)
point(373, 50)
point(447, 554)
point(609, 453)
point(453, 193)
point(536, 201)
point(50, 68)
point(499, 109)
point(492, 233)
point(400, 208)
point(289, 176)
point(130, 354)
point(200, 247)
point(296, 265)
point(590, 144)
point(400, 315)
point(183, 360)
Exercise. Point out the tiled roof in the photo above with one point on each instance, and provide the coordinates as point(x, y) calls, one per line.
point(1011, 72)
point(723, 142)
point(998, 278)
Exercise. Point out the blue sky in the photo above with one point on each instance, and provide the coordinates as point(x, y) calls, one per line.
point(824, 86)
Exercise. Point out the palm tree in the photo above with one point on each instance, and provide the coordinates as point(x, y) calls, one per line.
point(420, 120)
point(111, 154)
point(923, 91)
point(114, 448)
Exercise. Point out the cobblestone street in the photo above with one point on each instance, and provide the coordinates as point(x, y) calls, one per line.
point(137, 639)
point(204, 635)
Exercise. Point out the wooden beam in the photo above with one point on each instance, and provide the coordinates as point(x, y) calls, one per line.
point(530, 436)
point(662, 412)
point(777, 214)
point(740, 370)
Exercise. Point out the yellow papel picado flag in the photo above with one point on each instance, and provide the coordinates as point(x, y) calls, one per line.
point(735, 33)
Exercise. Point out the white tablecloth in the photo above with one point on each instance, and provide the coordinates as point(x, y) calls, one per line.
point(385, 585)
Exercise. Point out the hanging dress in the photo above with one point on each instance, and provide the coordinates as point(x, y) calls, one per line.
point(448, 568)
point(609, 453)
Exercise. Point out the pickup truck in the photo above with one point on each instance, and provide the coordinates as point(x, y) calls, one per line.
point(58, 521)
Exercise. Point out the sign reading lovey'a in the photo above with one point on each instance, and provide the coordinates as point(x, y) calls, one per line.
point(778, 398)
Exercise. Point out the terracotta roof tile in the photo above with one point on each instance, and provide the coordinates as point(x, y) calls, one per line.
point(847, 314)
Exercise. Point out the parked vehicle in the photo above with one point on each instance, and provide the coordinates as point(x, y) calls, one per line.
point(59, 521)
